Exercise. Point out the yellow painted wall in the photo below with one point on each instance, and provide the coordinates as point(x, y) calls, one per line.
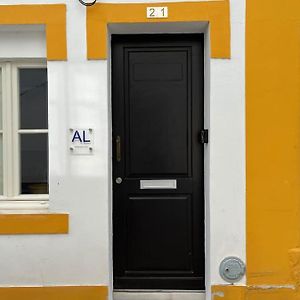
point(273, 139)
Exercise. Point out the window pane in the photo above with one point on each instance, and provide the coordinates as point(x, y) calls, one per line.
point(33, 98)
point(34, 163)
point(1, 164)
point(1, 138)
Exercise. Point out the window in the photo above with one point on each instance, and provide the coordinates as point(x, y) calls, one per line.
point(23, 131)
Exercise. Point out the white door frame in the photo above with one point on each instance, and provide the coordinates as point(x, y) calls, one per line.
point(169, 28)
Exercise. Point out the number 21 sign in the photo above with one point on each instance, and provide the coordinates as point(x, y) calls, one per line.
point(157, 12)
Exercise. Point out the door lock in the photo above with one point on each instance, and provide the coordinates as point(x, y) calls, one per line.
point(119, 180)
point(204, 136)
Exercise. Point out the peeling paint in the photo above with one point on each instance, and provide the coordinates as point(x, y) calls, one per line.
point(218, 294)
point(229, 292)
point(272, 287)
point(294, 258)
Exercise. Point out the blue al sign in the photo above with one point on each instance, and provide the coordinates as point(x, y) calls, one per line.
point(81, 141)
point(81, 136)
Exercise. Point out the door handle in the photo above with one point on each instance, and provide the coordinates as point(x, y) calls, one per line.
point(118, 148)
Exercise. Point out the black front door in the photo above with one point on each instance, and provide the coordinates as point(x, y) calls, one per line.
point(158, 169)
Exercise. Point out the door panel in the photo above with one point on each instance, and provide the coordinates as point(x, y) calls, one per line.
point(157, 95)
point(157, 80)
point(164, 240)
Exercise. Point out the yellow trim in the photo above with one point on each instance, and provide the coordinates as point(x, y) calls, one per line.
point(265, 292)
point(53, 16)
point(55, 293)
point(228, 292)
point(34, 224)
point(216, 12)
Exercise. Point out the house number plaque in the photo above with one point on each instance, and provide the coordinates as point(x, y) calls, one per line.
point(157, 12)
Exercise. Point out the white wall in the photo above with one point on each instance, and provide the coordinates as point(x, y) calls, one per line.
point(227, 149)
point(80, 185)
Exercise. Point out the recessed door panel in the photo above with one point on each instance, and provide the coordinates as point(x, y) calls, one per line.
point(164, 238)
point(159, 106)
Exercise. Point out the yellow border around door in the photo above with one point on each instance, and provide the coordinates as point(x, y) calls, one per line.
point(217, 13)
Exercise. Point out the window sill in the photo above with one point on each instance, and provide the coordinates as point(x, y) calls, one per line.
point(29, 197)
point(33, 223)
point(35, 206)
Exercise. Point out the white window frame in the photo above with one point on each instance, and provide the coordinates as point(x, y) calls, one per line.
point(11, 137)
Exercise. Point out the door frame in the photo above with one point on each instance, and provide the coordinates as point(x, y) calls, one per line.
point(166, 28)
